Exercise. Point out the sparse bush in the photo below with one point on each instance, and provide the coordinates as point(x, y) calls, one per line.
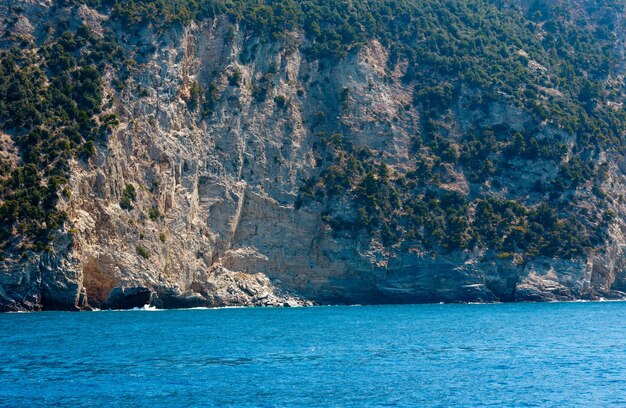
point(143, 252)
point(129, 196)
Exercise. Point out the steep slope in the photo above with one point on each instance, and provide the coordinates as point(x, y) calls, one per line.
point(236, 153)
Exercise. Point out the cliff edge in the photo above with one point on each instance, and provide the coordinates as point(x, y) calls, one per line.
point(229, 158)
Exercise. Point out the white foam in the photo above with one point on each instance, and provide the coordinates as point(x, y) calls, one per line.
point(145, 308)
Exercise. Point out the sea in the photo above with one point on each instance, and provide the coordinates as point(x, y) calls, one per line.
point(482, 355)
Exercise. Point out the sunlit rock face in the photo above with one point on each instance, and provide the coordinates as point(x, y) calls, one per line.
point(219, 133)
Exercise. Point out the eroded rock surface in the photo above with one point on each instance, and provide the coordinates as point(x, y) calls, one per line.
point(215, 221)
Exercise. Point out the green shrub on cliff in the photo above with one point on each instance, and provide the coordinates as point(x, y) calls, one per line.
point(49, 101)
point(143, 252)
point(129, 195)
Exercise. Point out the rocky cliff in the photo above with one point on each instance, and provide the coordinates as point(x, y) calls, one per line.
point(244, 169)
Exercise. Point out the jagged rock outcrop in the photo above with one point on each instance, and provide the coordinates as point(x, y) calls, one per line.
point(215, 219)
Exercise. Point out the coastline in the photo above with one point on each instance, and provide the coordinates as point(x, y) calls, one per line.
point(149, 308)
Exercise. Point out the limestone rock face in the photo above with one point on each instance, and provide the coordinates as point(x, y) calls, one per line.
point(215, 220)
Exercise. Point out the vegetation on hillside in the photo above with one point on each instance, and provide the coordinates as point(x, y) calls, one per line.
point(414, 207)
point(50, 102)
point(548, 61)
point(551, 62)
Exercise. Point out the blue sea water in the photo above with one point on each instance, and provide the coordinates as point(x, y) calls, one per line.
point(561, 354)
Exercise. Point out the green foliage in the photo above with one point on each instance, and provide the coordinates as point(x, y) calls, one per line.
point(154, 213)
point(49, 101)
point(210, 99)
point(129, 196)
point(395, 206)
point(234, 79)
point(436, 98)
point(280, 101)
point(143, 252)
point(196, 95)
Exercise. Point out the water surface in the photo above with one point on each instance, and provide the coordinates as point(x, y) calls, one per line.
point(566, 354)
